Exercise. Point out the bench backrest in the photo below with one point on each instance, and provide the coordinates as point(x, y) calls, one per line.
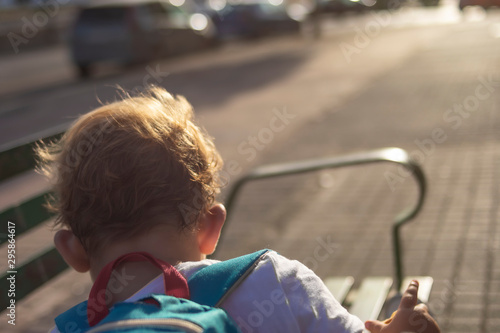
point(20, 218)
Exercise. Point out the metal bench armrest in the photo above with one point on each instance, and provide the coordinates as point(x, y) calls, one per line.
point(394, 155)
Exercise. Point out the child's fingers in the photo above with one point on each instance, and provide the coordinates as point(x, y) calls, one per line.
point(409, 299)
point(374, 326)
point(408, 302)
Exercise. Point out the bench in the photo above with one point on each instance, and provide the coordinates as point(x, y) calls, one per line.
point(366, 302)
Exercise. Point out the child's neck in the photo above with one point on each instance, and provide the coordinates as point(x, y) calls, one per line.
point(130, 277)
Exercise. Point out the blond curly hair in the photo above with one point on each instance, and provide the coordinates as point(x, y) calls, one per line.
point(131, 165)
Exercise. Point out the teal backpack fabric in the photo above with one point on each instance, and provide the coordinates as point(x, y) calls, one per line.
point(164, 313)
point(170, 314)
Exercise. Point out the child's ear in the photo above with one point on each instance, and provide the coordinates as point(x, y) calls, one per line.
point(72, 251)
point(210, 227)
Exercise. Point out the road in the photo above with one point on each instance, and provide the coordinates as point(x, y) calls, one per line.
point(254, 98)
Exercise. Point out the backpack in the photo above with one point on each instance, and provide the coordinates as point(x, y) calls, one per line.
point(188, 306)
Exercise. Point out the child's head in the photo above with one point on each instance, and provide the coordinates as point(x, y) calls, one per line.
point(130, 166)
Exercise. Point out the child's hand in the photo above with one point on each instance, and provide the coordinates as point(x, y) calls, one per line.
point(409, 317)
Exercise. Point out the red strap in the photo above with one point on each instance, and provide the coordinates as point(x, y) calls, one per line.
point(96, 306)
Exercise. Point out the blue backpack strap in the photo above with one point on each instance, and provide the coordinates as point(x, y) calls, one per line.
point(222, 277)
point(74, 319)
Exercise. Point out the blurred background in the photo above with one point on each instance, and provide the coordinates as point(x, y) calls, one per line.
point(283, 80)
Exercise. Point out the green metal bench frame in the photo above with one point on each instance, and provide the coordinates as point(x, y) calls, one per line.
point(15, 158)
point(18, 157)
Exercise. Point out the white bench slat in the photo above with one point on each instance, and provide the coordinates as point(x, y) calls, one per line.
point(371, 297)
point(339, 286)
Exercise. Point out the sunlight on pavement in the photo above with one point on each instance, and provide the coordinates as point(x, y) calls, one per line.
point(474, 14)
point(411, 15)
point(446, 13)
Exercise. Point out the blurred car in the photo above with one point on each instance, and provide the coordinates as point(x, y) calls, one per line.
point(134, 31)
point(211, 8)
point(481, 3)
point(258, 18)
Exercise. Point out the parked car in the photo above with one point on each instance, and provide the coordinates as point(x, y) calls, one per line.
point(134, 31)
point(257, 18)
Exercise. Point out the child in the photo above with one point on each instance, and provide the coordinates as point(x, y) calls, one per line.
point(138, 175)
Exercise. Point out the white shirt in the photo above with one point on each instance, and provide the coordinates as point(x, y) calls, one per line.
point(280, 295)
